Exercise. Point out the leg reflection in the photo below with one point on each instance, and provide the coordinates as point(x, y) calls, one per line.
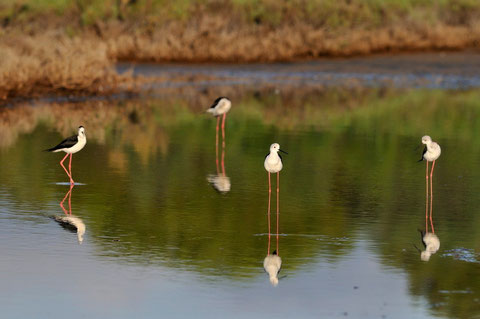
point(69, 195)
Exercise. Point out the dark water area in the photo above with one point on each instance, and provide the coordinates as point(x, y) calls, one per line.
point(445, 70)
point(165, 231)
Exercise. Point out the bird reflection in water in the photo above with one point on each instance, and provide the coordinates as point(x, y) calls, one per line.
point(69, 221)
point(430, 242)
point(220, 181)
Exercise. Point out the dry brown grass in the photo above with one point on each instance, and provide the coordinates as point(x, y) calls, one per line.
point(49, 63)
point(212, 39)
point(43, 53)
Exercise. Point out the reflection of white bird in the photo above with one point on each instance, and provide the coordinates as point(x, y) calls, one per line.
point(431, 242)
point(272, 264)
point(219, 182)
point(72, 223)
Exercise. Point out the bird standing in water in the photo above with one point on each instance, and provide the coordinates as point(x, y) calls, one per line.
point(71, 145)
point(431, 153)
point(220, 107)
point(273, 164)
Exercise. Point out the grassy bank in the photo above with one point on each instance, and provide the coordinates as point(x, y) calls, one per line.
point(71, 45)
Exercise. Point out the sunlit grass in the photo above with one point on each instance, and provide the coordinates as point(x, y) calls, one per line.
point(209, 31)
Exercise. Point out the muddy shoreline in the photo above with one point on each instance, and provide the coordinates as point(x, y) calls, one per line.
point(442, 70)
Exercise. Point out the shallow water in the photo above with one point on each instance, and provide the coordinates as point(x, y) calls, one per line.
point(445, 70)
point(160, 240)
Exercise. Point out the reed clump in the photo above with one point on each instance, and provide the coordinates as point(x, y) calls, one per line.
point(43, 64)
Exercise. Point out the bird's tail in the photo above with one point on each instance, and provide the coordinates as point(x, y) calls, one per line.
point(52, 149)
point(420, 160)
point(274, 252)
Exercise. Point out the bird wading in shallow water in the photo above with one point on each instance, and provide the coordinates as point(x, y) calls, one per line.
point(71, 145)
point(431, 153)
point(220, 107)
point(273, 164)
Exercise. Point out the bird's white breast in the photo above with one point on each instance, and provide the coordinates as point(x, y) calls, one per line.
point(273, 163)
point(82, 141)
point(433, 152)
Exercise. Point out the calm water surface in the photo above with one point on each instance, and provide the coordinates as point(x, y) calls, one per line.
point(162, 241)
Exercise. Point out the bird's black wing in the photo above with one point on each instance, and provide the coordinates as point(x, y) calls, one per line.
point(216, 101)
point(66, 143)
point(267, 155)
point(423, 153)
point(422, 234)
point(64, 224)
point(280, 156)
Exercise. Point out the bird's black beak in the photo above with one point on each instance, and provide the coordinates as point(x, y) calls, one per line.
point(283, 151)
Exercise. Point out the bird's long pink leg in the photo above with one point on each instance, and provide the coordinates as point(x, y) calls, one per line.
point(278, 207)
point(223, 160)
point(69, 194)
point(216, 144)
point(61, 164)
point(268, 213)
point(70, 199)
point(426, 201)
point(431, 198)
point(70, 168)
point(223, 129)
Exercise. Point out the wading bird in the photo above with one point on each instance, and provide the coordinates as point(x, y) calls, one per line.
point(273, 164)
point(220, 107)
point(220, 181)
point(431, 153)
point(71, 145)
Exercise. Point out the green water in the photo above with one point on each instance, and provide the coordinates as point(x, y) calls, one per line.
point(160, 240)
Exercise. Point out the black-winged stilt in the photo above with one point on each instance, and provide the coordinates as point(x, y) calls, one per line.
point(272, 265)
point(220, 181)
point(273, 164)
point(220, 107)
point(431, 153)
point(71, 145)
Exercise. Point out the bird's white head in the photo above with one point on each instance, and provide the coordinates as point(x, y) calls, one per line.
point(274, 281)
point(425, 255)
point(81, 131)
point(426, 139)
point(275, 147)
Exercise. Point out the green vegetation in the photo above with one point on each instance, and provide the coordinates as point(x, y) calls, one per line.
point(335, 14)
